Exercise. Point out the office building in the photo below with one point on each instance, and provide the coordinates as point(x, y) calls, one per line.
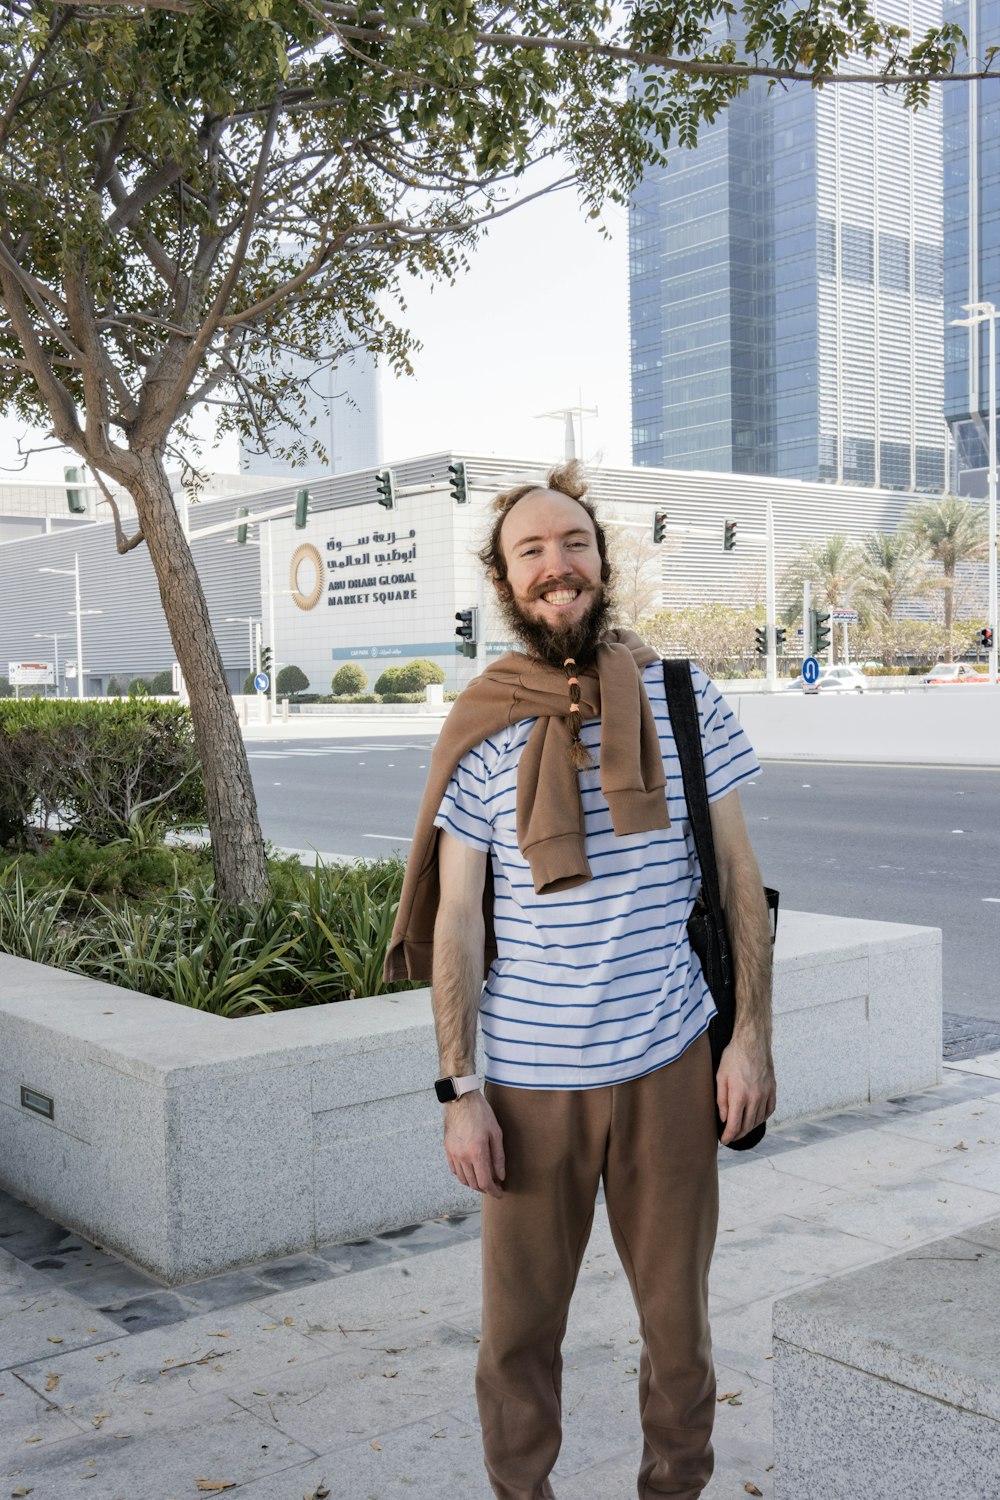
point(341, 412)
point(972, 241)
point(786, 290)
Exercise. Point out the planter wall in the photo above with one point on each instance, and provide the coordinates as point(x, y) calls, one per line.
point(191, 1144)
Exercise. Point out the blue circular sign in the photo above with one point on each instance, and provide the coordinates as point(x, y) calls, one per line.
point(262, 682)
point(810, 670)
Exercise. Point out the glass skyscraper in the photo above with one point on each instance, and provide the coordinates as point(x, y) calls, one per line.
point(786, 290)
point(972, 240)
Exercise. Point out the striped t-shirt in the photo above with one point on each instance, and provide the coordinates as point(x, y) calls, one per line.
point(598, 984)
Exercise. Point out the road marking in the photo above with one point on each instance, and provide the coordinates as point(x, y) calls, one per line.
point(395, 838)
point(993, 900)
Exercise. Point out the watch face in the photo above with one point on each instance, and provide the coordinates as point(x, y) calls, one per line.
point(445, 1090)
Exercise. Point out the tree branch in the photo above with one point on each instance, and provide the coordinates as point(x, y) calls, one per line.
point(122, 542)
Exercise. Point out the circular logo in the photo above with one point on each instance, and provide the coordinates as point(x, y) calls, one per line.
point(307, 554)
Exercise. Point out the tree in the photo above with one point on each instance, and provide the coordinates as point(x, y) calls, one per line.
point(948, 530)
point(291, 679)
point(831, 567)
point(195, 196)
point(416, 675)
point(638, 588)
point(890, 569)
point(719, 637)
point(350, 678)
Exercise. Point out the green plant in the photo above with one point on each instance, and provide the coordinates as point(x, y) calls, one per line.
point(162, 685)
point(350, 678)
point(417, 675)
point(388, 680)
point(32, 926)
point(6, 691)
point(139, 688)
point(291, 680)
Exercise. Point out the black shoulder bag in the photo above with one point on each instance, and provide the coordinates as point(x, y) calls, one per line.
point(707, 925)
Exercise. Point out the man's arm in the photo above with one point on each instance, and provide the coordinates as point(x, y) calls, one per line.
point(472, 1139)
point(745, 1083)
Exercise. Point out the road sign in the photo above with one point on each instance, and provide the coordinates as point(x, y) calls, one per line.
point(30, 673)
point(810, 670)
point(262, 682)
point(850, 615)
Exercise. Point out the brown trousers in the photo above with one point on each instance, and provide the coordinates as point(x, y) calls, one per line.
point(653, 1141)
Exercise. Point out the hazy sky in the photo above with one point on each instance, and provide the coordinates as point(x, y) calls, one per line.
point(539, 322)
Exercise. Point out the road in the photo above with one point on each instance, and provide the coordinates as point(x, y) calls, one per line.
point(901, 844)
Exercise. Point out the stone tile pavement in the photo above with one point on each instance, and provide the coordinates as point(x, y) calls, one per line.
point(348, 1371)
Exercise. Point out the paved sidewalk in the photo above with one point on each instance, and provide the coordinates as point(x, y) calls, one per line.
point(348, 1371)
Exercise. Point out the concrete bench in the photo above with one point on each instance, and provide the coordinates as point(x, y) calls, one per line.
point(190, 1143)
point(887, 1379)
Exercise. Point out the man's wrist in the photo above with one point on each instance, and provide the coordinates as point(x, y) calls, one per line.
point(453, 1087)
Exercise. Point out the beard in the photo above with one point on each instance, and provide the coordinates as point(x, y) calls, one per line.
point(578, 639)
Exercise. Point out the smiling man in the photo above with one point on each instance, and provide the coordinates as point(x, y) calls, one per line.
point(553, 856)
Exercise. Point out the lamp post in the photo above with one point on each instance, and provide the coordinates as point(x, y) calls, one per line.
point(250, 621)
point(986, 312)
point(55, 637)
point(74, 573)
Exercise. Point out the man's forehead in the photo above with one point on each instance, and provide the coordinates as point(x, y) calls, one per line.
point(544, 512)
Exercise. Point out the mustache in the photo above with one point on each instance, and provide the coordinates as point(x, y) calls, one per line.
point(571, 581)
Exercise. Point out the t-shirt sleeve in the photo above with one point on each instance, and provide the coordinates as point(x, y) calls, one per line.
point(463, 812)
point(729, 755)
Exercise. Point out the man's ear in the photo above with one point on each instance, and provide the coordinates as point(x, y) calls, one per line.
point(501, 585)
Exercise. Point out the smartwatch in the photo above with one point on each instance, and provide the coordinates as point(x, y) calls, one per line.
point(450, 1089)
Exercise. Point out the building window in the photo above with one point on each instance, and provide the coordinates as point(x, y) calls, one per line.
point(856, 254)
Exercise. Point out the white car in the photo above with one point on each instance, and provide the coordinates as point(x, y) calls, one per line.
point(842, 679)
point(944, 672)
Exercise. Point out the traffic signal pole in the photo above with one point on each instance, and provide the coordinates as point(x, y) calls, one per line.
point(770, 599)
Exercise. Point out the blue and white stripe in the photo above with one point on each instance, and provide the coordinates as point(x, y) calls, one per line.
point(598, 984)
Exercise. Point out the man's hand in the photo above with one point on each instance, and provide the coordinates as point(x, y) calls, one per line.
point(745, 1088)
point(473, 1144)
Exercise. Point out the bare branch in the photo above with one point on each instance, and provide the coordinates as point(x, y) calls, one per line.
point(122, 542)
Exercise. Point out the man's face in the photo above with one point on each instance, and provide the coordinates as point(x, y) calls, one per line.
point(553, 597)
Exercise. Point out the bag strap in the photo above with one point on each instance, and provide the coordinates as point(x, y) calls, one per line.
point(683, 709)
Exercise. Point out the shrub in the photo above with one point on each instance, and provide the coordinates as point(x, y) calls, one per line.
point(6, 691)
point(110, 769)
point(162, 685)
point(416, 675)
point(388, 681)
point(248, 685)
point(319, 936)
point(138, 688)
point(291, 680)
point(350, 678)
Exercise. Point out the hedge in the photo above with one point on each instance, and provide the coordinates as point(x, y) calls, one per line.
point(99, 768)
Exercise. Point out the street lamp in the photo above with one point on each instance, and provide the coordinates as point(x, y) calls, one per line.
point(250, 621)
point(74, 573)
point(55, 637)
point(986, 312)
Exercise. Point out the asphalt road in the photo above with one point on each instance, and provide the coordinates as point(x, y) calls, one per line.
point(900, 844)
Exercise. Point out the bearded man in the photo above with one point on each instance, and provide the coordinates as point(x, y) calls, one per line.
point(553, 854)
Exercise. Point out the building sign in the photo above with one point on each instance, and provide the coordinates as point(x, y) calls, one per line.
point(31, 674)
point(378, 567)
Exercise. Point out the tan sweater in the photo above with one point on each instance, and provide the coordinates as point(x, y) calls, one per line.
point(550, 825)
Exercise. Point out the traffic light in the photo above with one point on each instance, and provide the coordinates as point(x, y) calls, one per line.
point(779, 638)
point(241, 531)
point(659, 525)
point(301, 509)
point(385, 489)
point(76, 500)
point(820, 631)
point(760, 635)
point(728, 536)
point(265, 659)
point(986, 638)
point(467, 629)
point(459, 484)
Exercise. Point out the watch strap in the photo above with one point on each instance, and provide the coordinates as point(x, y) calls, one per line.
point(449, 1089)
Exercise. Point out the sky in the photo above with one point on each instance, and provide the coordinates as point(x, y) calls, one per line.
point(540, 322)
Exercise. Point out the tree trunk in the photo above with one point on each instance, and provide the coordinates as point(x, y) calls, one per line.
point(949, 607)
point(233, 824)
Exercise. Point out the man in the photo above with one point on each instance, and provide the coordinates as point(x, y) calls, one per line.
point(552, 852)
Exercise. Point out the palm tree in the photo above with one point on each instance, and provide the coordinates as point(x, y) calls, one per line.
point(891, 568)
point(949, 530)
point(831, 567)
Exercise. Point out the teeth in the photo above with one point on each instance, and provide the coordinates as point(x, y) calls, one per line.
point(561, 596)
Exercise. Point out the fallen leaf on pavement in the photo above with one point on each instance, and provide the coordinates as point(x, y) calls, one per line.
point(33, 1440)
point(377, 1447)
point(99, 1417)
point(752, 1489)
point(54, 1340)
point(728, 1395)
point(52, 1382)
point(389, 1374)
point(321, 1494)
point(213, 1486)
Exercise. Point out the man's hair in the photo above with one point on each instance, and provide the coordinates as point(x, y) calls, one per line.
point(566, 478)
